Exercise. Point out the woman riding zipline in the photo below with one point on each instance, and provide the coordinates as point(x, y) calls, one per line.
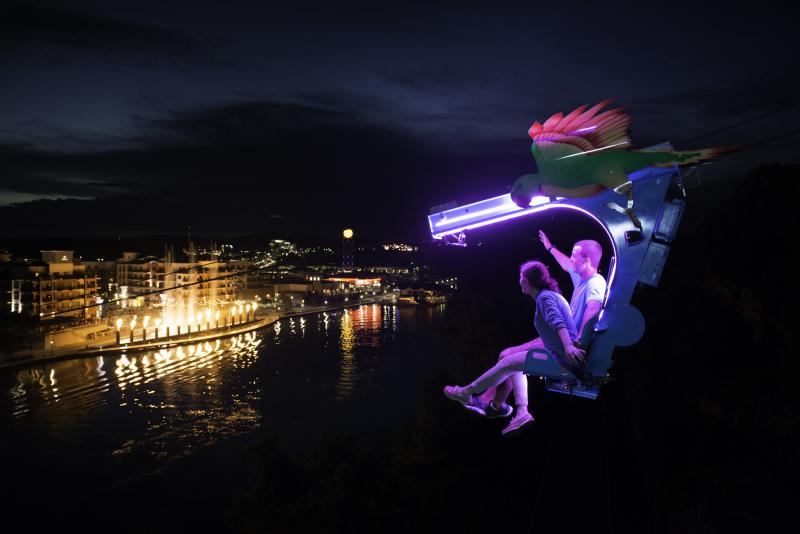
point(553, 320)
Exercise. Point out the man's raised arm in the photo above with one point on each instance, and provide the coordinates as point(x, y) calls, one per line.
point(561, 258)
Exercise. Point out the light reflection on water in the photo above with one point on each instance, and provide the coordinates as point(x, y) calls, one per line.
point(63, 392)
point(347, 365)
point(138, 412)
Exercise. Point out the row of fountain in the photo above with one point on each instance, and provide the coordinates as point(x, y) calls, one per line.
point(166, 325)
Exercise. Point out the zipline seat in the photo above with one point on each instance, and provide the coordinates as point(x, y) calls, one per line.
point(580, 382)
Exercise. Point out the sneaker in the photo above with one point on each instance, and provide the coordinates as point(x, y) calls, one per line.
point(487, 409)
point(476, 405)
point(458, 394)
point(517, 425)
point(505, 410)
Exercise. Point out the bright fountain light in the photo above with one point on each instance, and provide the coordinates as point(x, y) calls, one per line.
point(119, 324)
point(133, 322)
point(216, 315)
point(146, 320)
point(158, 322)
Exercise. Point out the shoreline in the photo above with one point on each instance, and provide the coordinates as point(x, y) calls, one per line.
point(187, 339)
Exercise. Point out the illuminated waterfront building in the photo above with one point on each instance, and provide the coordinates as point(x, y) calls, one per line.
point(353, 282)
point(206, 282)
point(253, 282)
point(55, 287)
point(105, 270)
point(279, 247)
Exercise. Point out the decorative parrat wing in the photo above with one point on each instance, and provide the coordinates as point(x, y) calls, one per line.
point(601, 143)
point(581, 131)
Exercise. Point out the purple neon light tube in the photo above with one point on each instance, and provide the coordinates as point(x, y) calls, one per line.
point(498, 209)
point(463, 217)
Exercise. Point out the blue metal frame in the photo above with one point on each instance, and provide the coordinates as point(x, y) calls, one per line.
point(637, 258)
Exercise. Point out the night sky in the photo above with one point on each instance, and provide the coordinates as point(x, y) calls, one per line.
point(130, 118)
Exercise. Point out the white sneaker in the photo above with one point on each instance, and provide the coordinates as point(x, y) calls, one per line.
point(457, 394)
point(518, 424)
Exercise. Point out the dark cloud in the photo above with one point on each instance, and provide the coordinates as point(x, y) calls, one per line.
point(751, 96)
point(259, 123)
point(43, 135)
point(340, 114)
point(314, 164)
point(41, 23)
point(439, 77)
point(34, 171)
point(236, 167)
point(50, 186)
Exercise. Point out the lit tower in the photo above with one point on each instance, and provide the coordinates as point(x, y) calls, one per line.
point(347, 251)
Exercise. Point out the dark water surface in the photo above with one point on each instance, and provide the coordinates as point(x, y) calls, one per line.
point(158, 440)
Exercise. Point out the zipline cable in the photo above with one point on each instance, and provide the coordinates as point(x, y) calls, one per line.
point(752, 119)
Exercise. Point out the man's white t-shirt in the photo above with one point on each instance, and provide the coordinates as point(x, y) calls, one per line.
point(593, 288)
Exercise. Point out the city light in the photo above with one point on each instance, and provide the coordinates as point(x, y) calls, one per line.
point(189, 300)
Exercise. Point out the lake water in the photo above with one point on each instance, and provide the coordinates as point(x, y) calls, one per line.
point(136, 438)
